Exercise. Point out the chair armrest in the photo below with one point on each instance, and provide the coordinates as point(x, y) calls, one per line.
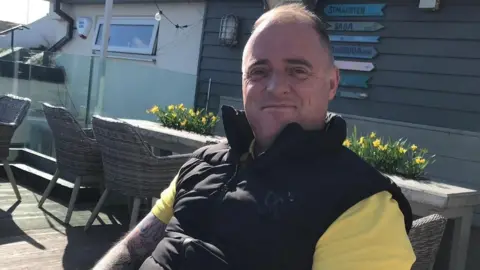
point(7, 124)
point(89, 132)
point(175, 158)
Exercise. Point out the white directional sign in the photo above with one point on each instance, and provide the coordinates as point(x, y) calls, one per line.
point(358, 66)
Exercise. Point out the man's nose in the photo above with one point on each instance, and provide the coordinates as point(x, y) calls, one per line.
point(277, 83)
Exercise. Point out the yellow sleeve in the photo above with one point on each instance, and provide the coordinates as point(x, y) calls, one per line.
point(163, 208)
point(369, 236)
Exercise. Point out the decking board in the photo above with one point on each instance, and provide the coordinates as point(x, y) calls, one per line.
point(33, 238)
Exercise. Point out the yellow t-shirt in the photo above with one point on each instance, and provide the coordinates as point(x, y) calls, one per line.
point(369, 236)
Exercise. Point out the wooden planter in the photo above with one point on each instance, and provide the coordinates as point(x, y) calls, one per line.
point(456, 203)
point(176, 141)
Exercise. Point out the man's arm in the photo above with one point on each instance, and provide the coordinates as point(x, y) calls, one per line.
point(371, 235)
point(135, 247)
point(142, 240)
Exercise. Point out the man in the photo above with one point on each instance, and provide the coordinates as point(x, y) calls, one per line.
point(283, 193)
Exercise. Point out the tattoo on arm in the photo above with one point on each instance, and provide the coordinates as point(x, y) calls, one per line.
point(145, 236)
point(136, 246)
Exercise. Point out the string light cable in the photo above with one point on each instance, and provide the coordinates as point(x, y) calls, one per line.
point(160, 14)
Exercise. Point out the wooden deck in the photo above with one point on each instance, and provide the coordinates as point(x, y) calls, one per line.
point(32, 238)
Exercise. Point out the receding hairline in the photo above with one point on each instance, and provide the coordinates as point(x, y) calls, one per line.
point(287, 13)
point(295, 13)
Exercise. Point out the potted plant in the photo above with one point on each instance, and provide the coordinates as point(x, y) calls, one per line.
point(180, 118)
point(179, 129)
point(405, 163)
point(391, 157)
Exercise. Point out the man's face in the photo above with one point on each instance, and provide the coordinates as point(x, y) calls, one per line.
point(287, 77)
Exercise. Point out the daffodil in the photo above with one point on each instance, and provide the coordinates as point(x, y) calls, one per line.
point(183, 123)
point(155, 109)
point(376, 143)
point(171, 108)
point(214, 118)
point(402, 150)
point(413, 147)
point(347, 143)
point(419, 160)
point(204, 120)
point(361, 140)
point(373, 135)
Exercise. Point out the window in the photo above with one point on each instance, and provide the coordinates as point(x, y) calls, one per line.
point(128, 35)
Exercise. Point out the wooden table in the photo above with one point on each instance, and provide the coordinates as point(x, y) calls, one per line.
point(456, 203)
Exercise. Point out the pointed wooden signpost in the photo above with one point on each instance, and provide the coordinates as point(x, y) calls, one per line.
point(354, 51)
point(350, 51)
point(359, 39)
point(353, 10)
point(354, 26)
point(352, 80)
point(354, 95)
point(357, 66)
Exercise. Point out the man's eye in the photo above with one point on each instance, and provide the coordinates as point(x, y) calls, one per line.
point(300, 73)
point(257, 73)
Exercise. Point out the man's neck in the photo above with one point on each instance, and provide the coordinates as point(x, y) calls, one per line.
point(258, 148)
point(262, 144)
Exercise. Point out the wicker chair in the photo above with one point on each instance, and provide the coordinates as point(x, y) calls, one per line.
point(130, 167)
point(425, 236)
point(13, 110)
point(77, 152)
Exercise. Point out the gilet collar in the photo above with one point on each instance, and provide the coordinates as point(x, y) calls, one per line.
point(292, 141)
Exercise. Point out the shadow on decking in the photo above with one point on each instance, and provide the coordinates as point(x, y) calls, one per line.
point(6, 217)
point(33, 238)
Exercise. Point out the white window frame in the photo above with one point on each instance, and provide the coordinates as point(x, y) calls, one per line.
point(129, 21)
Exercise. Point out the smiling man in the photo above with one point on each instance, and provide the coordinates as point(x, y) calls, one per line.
point(283, 193)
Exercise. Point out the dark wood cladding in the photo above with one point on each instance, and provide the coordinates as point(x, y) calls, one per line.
point(428, 66)
point(219, 63)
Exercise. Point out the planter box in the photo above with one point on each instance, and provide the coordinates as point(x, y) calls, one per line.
point(172, 140)
point(456, 203)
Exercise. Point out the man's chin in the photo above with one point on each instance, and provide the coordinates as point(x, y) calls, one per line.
point(273, 128)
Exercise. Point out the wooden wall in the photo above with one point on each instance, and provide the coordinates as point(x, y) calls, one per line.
point(428, 66)
point(219, 63)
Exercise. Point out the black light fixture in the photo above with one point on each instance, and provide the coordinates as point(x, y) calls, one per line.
point(228, 30)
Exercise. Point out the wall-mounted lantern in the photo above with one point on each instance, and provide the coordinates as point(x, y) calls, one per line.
point(228, 30)
point(429, 4)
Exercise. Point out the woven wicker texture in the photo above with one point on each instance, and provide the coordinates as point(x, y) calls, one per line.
point(13, 110)
point(425, 236)
point(129, 165)
point(76, 149)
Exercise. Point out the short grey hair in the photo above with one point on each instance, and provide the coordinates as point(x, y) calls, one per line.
point(298, 12)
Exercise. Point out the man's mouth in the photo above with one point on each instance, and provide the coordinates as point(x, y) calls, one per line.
point(275, 107)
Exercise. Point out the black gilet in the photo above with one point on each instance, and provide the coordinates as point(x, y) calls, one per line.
point(267, 213)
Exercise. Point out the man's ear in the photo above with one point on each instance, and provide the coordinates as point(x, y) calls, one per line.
point(334, 82)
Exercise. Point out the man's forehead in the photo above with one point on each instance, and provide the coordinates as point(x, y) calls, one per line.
point(269, 29)
point(280, 41)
